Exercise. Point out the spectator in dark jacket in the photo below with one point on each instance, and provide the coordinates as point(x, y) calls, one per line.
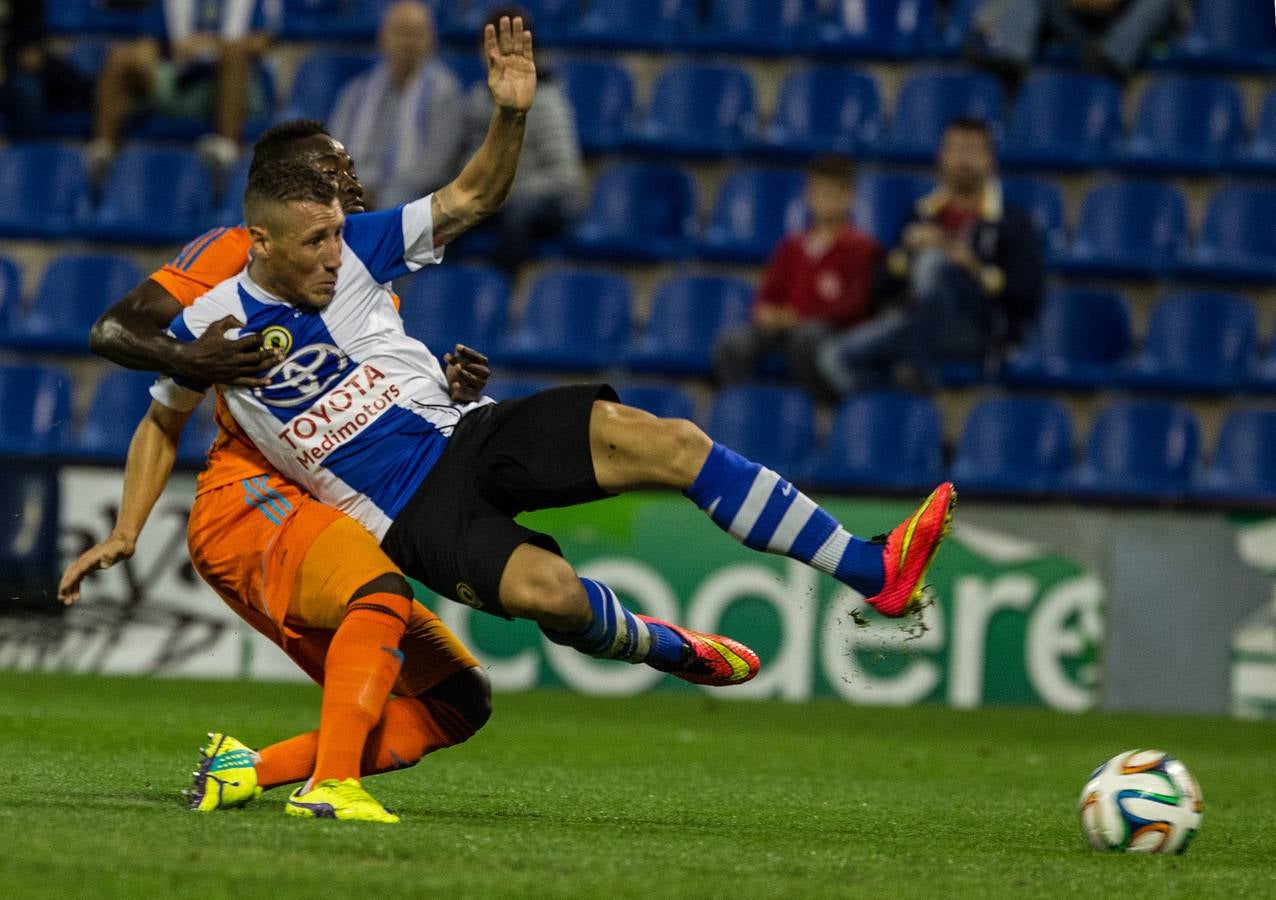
point(34, 81)
point(817, 282)
point(966, 276)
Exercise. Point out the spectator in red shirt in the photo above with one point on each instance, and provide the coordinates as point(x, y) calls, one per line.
point(817, 282)
point(963, 284)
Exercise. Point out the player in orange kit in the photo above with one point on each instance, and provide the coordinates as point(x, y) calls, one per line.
point(303, 574)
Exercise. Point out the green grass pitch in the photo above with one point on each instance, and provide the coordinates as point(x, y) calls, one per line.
point(665, 795)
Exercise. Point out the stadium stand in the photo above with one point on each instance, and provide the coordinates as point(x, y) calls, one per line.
point(119, 401)
point(684, 139)
point(35, 409)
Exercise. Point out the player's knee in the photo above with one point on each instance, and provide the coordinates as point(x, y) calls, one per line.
point(389, 583)
point(686, 446)
point(461, 703)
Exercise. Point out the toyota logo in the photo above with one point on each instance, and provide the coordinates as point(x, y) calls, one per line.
point(304, 376)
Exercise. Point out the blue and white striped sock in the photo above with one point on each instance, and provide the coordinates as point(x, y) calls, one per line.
point(764, 512)
point(616, 633)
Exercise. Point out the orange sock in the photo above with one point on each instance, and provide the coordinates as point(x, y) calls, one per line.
point(408, 730)
point(363, 661)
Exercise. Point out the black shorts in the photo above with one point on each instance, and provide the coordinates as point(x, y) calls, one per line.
point(457, 532)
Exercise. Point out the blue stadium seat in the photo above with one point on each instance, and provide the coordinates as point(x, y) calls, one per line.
point(10, 294)
point(602, 96)
point(1186, 123)
point(553, 20)
point(824, 109)
point(753, 210)
point(98, 17)
point(1228, 35)
point(928, 101)
point(318, 81)
point(1238, 237)
point(1139, 449)
point(955, 26)
point(468, 67)
point(503, 387)
point(1131, 228)
point(153, 196)
point(1043, 201)
point(1244, 463)
point(120, 399)
point(1082, 341)
point(774, 426)
point(880, 28)
point(752, 26)
point(1065, 120)
point(29, 533)
point(883, 203)
point(197, 436)
point(698, 109)
point(1259, 154)
point(1014, 445)
point(636, 25)
point(1198, 342)
point(576, 320)
point(35, 409)
point(46, 190)
point(443, 306)
point(332, 20)
point(668, 401)
point(687, 314)
point(73, 292)
point(883, 440)
point(643, 213)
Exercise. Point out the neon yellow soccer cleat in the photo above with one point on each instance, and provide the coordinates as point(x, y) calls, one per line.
point(333, 799)
point(226, 776)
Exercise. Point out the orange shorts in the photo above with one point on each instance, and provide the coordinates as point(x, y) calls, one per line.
point(288, 565)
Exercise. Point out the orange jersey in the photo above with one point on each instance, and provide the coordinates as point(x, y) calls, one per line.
point(203, 263)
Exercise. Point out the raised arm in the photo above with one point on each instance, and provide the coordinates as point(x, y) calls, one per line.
point(150, 462)
point(481, 187)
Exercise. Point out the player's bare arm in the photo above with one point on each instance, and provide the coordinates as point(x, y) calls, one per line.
point(485, 181)
point(150, 461)
point(132, 334)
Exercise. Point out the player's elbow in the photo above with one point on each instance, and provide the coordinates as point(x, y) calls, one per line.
point(102, 335)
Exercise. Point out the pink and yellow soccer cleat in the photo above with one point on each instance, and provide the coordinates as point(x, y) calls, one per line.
point(910, 548)
point(713, 660)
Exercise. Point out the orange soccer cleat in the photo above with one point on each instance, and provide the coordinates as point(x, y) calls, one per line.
point(712, 659)
point(910, 548)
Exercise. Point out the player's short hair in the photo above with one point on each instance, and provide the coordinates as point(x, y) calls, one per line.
point(832, 167)
point(970, 125)
point(284, 181)
point(279, 142)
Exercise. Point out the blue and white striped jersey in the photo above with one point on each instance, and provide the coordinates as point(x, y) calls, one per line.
point(358, 412)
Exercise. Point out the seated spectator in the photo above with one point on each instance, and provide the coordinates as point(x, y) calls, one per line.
point(34, 81)
point(816, 283)
point(203, 68)
point(1112, 36)
point(966, 276)
point(402, 119)
point(548, 190)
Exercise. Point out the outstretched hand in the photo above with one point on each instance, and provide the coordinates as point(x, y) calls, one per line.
point(100, 556)
point(511, 70)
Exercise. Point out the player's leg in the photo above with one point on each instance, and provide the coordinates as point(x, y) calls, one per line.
point(633, 450)
point(587, 615)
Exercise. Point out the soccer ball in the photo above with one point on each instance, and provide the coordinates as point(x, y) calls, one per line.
point(1141, 801)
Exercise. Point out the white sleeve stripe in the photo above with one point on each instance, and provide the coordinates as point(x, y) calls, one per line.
point(418, 234)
